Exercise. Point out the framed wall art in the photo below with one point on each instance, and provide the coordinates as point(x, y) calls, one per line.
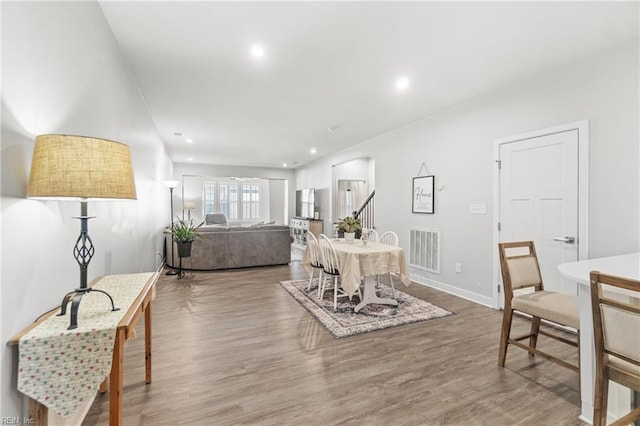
point(423, 201)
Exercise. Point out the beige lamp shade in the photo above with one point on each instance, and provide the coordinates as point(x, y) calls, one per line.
point(189, 205)
point(71, 166)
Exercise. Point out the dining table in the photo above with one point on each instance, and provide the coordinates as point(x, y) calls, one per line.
point(626, 266)
point(361, 262)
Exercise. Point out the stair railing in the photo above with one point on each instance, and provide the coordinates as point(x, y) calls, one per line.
point(366, 213)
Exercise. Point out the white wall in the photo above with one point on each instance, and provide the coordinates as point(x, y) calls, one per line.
point(277, 198)
point(62, 72)
point(457, 144)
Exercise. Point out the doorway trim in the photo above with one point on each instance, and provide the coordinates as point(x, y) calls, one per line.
point(583, 192)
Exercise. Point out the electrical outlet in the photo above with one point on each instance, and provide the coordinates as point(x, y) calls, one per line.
point(478, 208)
point(458, 268)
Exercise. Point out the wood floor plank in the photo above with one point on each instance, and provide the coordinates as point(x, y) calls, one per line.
point(233, 347)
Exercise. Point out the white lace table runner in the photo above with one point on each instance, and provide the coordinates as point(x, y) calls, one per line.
point(62, 368)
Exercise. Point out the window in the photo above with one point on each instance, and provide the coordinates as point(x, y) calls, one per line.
point(250, 201)
point(229, 200)
point(237, 201)
point(209, 190)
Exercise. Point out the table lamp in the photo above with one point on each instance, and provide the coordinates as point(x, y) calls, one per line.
point(188, 206)
point(68, 167)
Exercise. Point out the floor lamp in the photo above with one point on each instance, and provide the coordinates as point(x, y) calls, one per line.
point(69, 167)
point(171, 184)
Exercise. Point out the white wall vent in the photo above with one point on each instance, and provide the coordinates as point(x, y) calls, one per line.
point(424, 249)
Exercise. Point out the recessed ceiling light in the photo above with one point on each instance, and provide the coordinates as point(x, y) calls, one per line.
point(257, 51)
point(402, 83)
point(284, 164)
point(190, 158)
point(313, 150)
point(189, 140)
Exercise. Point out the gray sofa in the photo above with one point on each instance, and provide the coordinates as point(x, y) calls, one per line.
point(224, 247)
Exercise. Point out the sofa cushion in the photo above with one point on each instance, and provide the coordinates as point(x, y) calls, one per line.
point(213, 228)
point(215, 218)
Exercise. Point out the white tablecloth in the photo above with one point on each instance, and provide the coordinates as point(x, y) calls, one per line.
point(357, 260)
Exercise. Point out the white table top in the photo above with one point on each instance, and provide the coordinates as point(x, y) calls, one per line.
point(626, 265)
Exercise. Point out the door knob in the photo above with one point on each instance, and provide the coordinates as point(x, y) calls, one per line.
point(569, 240)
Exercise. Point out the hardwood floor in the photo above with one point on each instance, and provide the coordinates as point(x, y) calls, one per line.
point(232, 347)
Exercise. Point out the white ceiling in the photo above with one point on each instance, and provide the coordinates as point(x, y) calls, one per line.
point(331, 65)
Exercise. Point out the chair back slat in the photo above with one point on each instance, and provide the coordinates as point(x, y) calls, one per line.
point(315, 258)
point(329, 257)
point(373, 235)
point(389, 237)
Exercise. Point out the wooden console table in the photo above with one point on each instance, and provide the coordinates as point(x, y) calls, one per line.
point(133, 309)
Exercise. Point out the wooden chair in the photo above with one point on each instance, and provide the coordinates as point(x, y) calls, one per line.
point(331, 269)
point(315, 260)
point(520, 270)
point(390, 238)
point(616, 332)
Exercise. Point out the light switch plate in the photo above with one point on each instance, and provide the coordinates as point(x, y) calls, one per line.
point(478, 208)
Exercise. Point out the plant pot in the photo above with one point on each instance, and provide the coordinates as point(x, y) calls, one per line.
point(184, 249)
point(349, 237)
point(341, 233)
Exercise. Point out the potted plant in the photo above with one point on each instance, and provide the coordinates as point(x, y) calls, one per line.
point(349, 227)
point(183, 234)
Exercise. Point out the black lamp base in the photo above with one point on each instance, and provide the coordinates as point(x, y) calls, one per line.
point(83, 252)
point(77, 298)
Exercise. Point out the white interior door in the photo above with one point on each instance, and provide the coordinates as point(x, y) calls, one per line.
point(539, 198)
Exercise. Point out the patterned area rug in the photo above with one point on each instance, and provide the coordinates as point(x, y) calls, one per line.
point(344, 322)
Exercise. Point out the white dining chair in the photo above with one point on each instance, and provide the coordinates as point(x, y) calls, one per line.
point(331, 269)
point(373, 235)
point(315, 260)
point(390, 238)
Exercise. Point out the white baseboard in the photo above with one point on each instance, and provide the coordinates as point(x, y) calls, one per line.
point(465, 294)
